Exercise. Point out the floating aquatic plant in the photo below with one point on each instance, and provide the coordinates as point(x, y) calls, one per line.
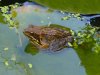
point(6, 63)
point(30, 65)
point(6, 49)
point(79, 6)
point(2, 18)
point(9, 14)
point(85, 39)
point(72, 15)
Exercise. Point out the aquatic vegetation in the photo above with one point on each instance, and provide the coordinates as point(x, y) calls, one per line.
point(81, 6)
point(9, 14)
point(6, 63)
point(73, 15)
point(10, 64)
point(26, 67)
point(65, 18)
point(85, 39)
point(86, 44)
point(31, 49)
point(89, 59)
point(30, 65)
point(2, 18)
point(6, 49)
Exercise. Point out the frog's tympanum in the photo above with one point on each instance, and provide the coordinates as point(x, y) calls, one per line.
point(48, 38)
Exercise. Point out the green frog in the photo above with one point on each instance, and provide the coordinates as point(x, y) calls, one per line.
point(48, 37)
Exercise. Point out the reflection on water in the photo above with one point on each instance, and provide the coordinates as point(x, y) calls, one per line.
point(15, 60)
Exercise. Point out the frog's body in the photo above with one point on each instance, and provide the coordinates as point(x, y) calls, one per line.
point(51, 38)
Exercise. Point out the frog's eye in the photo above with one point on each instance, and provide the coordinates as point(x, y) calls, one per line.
point(31, 32)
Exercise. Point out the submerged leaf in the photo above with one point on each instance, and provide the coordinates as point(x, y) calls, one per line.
point(31, 49)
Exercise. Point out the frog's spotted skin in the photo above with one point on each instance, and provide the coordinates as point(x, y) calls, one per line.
point(50, 38)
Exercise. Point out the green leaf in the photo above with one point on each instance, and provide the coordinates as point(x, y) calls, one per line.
point(79, 6)
point(31, 49)
point(14, 14)
point(59, 26)
point(2, 19)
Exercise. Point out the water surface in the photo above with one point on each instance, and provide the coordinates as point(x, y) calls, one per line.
point(66, 62)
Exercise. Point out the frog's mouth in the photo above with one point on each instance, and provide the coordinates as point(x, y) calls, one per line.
point(31, 38)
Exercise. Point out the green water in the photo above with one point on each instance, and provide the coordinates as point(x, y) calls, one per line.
point(66, 62)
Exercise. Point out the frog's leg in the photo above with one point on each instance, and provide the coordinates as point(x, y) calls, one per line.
point(57, 44)
point(44, 45)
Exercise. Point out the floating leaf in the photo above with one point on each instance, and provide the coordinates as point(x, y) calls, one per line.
point(59, 26)
point(79, 6)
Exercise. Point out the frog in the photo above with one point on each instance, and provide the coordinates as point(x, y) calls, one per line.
point(48, 37)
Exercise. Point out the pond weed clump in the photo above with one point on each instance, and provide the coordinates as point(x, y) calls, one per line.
point(86, 39)
point(8, 13)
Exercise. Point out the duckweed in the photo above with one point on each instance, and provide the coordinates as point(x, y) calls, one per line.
point(6, 49)
point(30, 65)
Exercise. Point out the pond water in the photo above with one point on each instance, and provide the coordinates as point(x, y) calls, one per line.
point(15, 61)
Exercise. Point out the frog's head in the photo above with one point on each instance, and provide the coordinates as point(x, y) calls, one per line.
point(32, 32)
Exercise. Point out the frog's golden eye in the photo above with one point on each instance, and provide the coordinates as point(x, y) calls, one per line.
point(31, 32)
